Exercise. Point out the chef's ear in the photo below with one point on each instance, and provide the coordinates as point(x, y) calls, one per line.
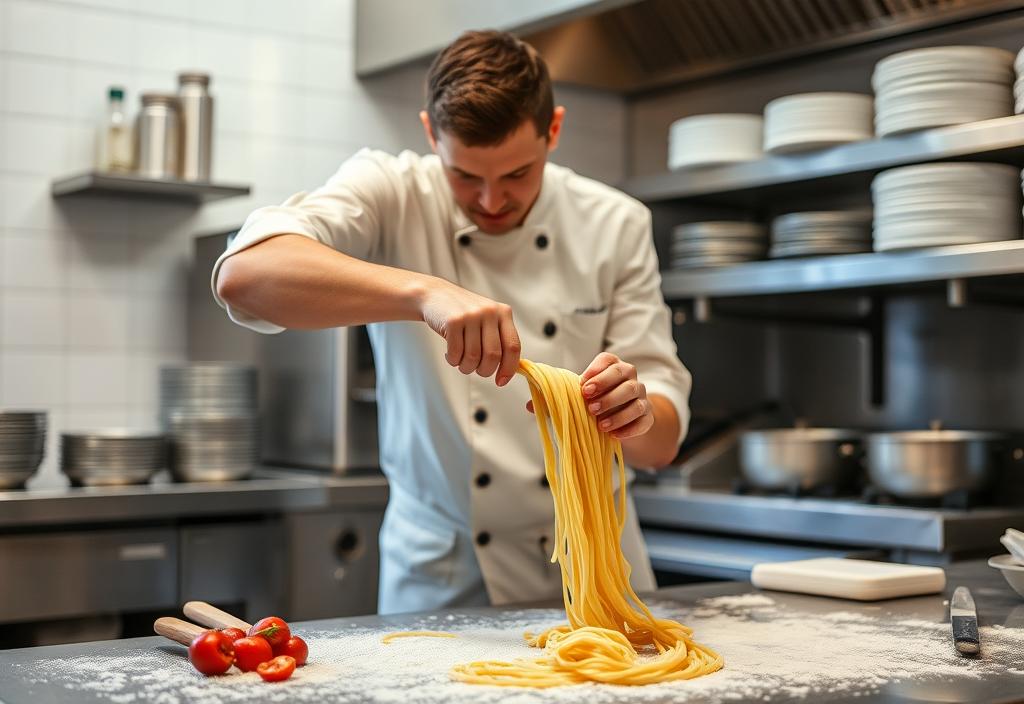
point(425, 119)
point(555, 130)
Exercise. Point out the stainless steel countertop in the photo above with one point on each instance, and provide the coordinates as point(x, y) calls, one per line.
point(21, 682)
point(269, 491)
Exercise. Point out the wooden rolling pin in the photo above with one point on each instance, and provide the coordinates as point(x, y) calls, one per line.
point(212, 617)
point(177, 630)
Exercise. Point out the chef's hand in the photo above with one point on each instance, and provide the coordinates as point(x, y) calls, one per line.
point(616, 397)
point(480, 333)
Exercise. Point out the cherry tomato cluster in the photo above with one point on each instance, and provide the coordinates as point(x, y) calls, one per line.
point(269, 648)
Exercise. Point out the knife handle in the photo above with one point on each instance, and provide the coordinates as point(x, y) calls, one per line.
point(965, 634)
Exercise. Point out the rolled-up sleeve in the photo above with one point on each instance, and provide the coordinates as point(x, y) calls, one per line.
point(346, 213)
point(640, 324)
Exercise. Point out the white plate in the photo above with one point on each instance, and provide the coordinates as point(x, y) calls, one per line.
point(950, 59)
point(899, 238)
point(704, 140)
point(967, 171)
point(811, 140)
point(945, 90)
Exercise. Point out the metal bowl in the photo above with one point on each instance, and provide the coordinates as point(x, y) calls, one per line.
point(805, 458)
point(15, 479)
point(112, 457)
point(927, 464)
point(22, 446)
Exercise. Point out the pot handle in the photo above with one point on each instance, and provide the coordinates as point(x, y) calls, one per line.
point(854, 451)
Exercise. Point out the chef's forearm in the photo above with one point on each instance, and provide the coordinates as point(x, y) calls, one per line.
point(657, 447)
point(295, 282)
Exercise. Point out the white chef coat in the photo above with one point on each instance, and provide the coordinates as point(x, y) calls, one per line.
point(470, 519)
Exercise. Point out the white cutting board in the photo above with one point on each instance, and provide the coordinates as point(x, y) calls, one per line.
point(863, 580)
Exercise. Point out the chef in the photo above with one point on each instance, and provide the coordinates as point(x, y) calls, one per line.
point(459, 262)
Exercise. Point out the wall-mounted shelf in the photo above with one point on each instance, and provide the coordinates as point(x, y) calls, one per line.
point(852, 165)
point(93, 183)
point(846, 271)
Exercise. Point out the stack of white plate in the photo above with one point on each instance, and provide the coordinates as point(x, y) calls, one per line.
point(703, 140)
point(209, 412)
point(716, 243)
point(946, 85)
point(112, 457)
point(821, 232)
point(809, 121)
point(1018, 86)
point(943, 204)
point(22, 444)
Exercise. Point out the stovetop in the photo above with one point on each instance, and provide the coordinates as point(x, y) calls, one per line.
point(844, 519)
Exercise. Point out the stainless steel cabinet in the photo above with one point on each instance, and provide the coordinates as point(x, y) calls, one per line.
point(334, 563)
point(105, 571)
point(235, 562)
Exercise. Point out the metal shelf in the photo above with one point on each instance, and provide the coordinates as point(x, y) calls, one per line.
point(847, 271)
point(845, 166)
point(94, 183)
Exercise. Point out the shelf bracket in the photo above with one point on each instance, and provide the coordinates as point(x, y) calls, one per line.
point(961, 294)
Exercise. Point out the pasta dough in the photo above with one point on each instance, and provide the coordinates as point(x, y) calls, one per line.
point(611, 636)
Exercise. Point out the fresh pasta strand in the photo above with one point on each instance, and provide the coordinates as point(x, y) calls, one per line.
point(416, 634)
point(611, 636)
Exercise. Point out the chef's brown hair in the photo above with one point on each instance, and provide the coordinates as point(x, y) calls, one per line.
point(481, 88)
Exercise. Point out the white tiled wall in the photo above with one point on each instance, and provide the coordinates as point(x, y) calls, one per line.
point(92, 291)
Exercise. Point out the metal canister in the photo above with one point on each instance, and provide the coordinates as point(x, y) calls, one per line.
point(196, 125)
point(159, 136)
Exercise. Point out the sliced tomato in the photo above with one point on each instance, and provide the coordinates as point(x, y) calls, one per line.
point(280, 668)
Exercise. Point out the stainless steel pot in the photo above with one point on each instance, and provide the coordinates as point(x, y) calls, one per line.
point(932, 463)
point(805, 458)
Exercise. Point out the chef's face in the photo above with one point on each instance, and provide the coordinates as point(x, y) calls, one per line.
point(496, 185)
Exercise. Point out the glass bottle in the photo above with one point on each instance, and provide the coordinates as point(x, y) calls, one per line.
point(115, 142)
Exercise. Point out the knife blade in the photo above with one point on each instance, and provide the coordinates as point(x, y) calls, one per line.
point(964, 618)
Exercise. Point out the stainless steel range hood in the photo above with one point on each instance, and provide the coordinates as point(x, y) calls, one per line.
point(632, 46)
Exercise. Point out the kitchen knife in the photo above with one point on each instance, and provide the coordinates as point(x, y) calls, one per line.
point(964, 619)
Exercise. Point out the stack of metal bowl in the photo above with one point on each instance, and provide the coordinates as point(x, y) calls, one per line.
point(209, 412)
point(22, 445)
point(112, 457)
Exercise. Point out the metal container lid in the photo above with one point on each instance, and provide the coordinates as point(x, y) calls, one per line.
point(934, 436)
point(169, 99)
point(803, 434)
point(199, 77)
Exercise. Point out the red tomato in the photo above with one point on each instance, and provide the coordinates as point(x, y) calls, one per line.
point(250, 652)
point(233, 633)
point(280, 668)
point(274, 629)
point(296, 647)
point(211, 652)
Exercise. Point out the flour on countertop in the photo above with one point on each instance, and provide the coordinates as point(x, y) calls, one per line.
point(771, 652)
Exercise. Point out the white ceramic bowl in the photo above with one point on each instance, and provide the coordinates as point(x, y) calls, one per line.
point(1012, 571)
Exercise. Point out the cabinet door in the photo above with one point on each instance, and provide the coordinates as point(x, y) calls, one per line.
point(334, 563)
point(86, 573)
point(234, 563)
